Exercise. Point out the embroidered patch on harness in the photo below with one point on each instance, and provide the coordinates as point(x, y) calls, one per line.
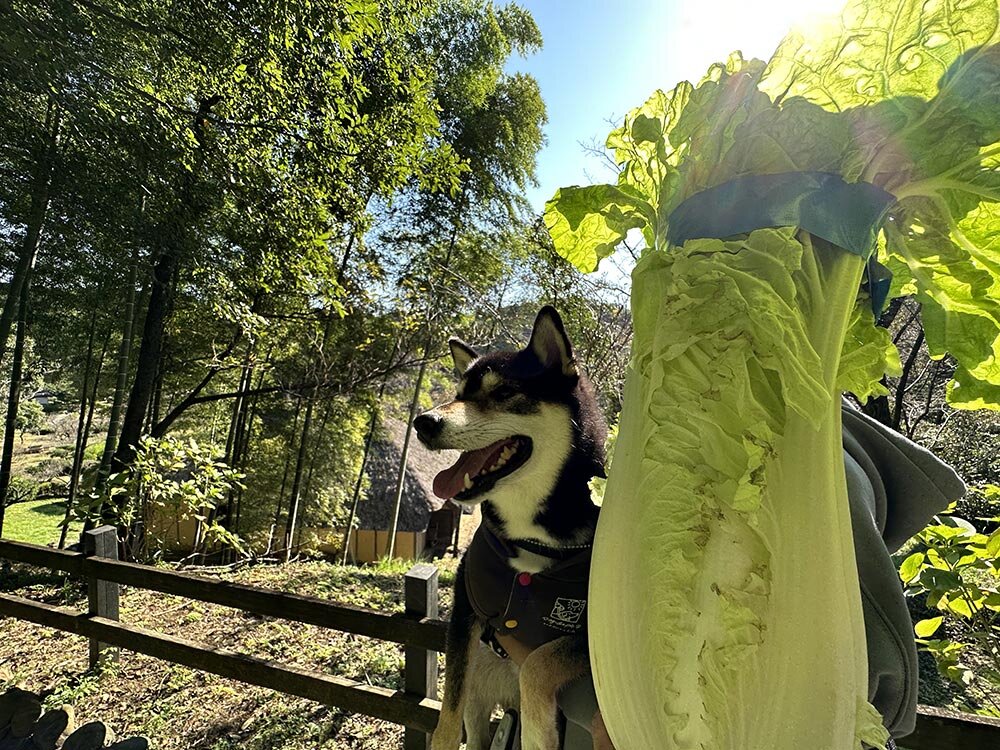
point(568, 611)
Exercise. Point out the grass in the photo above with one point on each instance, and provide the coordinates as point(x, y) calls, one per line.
point(33, 449)
point(37, 522)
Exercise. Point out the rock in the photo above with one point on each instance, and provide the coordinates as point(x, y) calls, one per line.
point(9, 702)
point(26, 712)
point(88, 737)
point(135, 743)
point(49, 729)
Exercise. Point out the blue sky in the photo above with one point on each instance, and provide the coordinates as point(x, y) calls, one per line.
point(601, 59)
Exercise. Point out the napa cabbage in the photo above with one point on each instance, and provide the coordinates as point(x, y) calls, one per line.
point(724, 604)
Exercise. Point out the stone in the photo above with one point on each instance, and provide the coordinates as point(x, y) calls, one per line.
point(133, 743)
point(88, 737)
point(49, 729)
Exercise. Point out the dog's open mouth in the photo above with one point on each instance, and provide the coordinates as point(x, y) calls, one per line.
point(477, 471)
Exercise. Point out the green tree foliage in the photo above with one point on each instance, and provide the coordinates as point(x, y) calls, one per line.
point(244, 156)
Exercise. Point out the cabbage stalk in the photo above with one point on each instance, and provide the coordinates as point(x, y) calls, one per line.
point(725, 611)
point(726, 606)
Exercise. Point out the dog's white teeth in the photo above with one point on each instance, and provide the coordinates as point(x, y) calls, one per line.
point(501, 461)
point(467, 481)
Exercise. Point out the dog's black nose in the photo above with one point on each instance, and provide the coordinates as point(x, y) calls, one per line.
point(428, 426)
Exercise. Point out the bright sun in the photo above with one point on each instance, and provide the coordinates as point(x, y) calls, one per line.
point(706, 31)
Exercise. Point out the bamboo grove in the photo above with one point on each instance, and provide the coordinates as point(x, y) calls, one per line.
point(233, 235)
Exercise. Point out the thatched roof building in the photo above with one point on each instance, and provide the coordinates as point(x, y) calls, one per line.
point(419, 501)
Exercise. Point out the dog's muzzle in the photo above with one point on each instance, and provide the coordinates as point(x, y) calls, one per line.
point(428, 426)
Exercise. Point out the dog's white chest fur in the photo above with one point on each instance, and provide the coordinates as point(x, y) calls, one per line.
point(529, 562)
point(518, 498)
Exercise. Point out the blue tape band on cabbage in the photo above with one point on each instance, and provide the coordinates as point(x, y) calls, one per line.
point(847, 214)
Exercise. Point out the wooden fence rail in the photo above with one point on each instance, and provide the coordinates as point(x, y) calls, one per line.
point(409, 630)
point(418, 629)
point(393, 705)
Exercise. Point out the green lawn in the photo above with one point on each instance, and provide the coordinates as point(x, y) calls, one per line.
point(37, 522)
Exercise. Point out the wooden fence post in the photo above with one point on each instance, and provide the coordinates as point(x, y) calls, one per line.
point(421, 672)
point(102, 595)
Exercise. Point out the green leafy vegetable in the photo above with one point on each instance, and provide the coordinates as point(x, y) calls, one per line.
point(959, 574)
point(904, 96)
point(725, 607)
point(738, 587)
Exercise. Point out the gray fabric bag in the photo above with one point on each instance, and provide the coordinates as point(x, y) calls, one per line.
point(894, 487)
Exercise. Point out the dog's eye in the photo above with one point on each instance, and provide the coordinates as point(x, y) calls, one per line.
point(502, 393)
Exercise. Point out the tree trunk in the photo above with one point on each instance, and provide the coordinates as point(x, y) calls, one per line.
point(82, 424)
point(78, 471)
point(401, 474)
point(312, 454)
point(236, 421)
point(121, 381)
point(361, 477)
point(154, 409)
point(13, 400)
point(243, 446)
point(295, 495)
point(41, 186)
point(284, 476)
point(160, 303)
point(237, 418)
point(293, 498)
point(307, 488)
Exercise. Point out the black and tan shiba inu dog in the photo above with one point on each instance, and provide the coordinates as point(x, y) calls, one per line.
point(532, 438)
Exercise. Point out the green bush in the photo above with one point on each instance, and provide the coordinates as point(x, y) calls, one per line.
point(183, 478)
point(957, 568)
point(30, 417)
point(21, 490)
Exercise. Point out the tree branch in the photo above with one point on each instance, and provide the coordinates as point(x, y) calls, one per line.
point(161, 427)
point(137, 25)
point(904, 378)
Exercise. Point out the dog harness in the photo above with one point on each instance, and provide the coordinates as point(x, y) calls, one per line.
point(533, 608)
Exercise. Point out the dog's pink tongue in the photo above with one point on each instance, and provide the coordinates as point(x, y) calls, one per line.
point(451, 481)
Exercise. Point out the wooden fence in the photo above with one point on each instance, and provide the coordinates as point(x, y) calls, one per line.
point(418, 629)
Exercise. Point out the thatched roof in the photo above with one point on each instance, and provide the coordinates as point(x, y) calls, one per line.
point(375, 509)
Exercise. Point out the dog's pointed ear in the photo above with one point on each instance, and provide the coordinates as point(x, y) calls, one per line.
point(550, 343)
point(461, 354)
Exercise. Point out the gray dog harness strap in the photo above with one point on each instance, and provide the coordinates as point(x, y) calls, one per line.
point(533, 608)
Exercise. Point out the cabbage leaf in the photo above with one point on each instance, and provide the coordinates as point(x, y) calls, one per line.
point(724, 597)
point(724, 606)
point(904, 95)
